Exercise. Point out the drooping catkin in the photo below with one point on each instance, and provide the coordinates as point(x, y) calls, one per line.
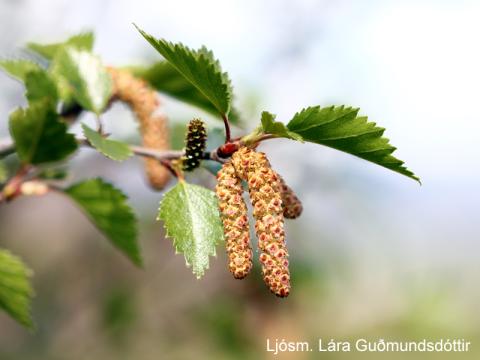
point(153, 125)
point(292, 206)
point(235, 221)
point(265, 195)
point(195, 144)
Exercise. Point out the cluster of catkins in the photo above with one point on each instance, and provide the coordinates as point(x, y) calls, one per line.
point(271, 198)
point(143, 101)
point(272, 201)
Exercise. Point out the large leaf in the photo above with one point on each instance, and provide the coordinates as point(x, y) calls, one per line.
point(341, 128)
point(191, 218)
point(270, 126)
point(40, 85)
point(39, 134)
point(18, 68)
point(82, 41)
point(165, 78)
point(88, 79)
point(15, 289)
point(115, 150)
point(200, 68)
point(108, 210)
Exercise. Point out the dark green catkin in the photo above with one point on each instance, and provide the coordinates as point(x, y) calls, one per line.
point(195, 144)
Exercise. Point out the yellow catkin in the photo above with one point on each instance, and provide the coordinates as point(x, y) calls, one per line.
point(265, 194)
point(153, 125)
point(235, 221)
point(292, 206)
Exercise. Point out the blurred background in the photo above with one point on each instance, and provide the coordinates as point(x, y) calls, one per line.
point(373, 256)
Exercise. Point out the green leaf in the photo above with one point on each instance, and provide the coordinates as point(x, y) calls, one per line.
point(108, 210)
point(88, 79)
point(19, 68)
point(15, 289)
point(341, 128)
point(200, 68)
point(39, 85)
point(166, 79)
point(115, 150)
point(82, 41)
point(39, 134)
point(191, 218)
point(270, 126)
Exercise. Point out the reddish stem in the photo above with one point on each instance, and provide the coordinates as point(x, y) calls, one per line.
point(227, 129)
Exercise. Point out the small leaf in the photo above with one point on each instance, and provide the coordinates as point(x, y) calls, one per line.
point(166, 79)
point(115, 150)
point(39, 85)
point(82, 41)
point(200, 68)
point(15, 289)
point(341, 128)
point(270, 126)
point(108, 210)
point(191, 218)
point(19, 68)
point(88, 79)
point(39, 134)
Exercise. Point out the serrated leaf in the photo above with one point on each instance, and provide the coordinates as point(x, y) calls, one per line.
point(88, 79)
point(82, 41)
point(341, 128)
point(191, 218)
point(200, 68)
point(107, 208)
point(15, 289)
point(166, 79)
point(39, 134)
point(19, 68)
point(270, 126)
point(39, 86)
point(113, 149)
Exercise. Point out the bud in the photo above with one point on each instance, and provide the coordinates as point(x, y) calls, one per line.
point(195, 144)
point(292, 206)
point(265, 194)
point(153, 125)
point(234, 215)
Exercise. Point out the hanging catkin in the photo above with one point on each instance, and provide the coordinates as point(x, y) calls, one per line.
point(235, 221)
point(153, 125)
point(292, 206)
point(265, 194)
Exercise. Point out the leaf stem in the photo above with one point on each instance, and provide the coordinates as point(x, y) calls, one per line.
point(168, 164)
point(99, 122)
point(227, 128)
